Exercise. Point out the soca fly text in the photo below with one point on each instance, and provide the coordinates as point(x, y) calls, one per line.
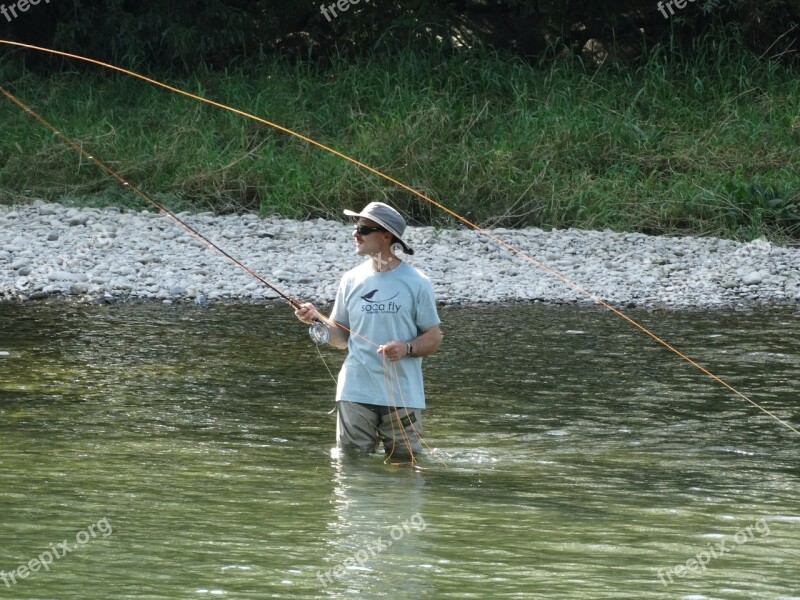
point(56, 551)
point(372, 549)
point(699, 563)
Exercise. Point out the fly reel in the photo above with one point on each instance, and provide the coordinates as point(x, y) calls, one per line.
point(319, 333)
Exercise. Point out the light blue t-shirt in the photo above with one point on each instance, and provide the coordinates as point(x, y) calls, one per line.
point(381, 307)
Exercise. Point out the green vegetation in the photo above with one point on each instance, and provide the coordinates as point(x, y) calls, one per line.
point(707, 143)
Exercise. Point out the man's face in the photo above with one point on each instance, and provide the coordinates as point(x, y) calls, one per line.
point(371, 243)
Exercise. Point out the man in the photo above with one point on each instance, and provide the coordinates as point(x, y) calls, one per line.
point(385, 316)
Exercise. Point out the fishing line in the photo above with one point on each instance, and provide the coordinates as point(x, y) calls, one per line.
point(511, 248)
point(411, 423)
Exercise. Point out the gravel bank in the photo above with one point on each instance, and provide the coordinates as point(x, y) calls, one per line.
point(48, 250)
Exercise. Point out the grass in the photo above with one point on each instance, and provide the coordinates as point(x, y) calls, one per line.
point(704, 144)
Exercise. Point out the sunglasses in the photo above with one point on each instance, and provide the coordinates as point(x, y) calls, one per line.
point(366, 229)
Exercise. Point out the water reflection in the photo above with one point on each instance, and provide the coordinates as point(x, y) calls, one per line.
point(378, 527)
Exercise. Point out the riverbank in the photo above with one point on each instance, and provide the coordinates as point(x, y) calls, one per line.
point(112, 255)
point(675, 147)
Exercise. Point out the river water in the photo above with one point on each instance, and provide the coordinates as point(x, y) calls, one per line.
point(185, 452)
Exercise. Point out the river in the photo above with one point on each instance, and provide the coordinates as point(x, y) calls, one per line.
point(185, 452)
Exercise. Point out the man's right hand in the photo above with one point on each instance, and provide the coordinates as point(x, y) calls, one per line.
point(307, 313)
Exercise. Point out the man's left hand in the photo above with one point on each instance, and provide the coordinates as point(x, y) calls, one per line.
point(394, 351)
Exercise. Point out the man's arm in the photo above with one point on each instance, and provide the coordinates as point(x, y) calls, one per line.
point(427, 342)
point(339, 336)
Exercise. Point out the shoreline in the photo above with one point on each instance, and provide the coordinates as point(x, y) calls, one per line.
point(49, 251)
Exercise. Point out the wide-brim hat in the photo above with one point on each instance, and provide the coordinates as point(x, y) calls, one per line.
point(388, 218)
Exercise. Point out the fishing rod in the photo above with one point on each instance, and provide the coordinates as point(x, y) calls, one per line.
point(508, 246)
point(318, 331)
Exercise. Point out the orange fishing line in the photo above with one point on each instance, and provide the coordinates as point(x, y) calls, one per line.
point(411, 423)
point(510, 247)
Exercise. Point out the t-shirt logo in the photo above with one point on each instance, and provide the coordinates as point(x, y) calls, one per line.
point(372, 306)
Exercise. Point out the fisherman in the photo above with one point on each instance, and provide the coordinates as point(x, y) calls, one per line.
point(385, 316)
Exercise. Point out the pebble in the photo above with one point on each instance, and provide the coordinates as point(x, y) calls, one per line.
point(753, 278)
point(60, 276)
point(144, 255)
point(283, 275)
point(78, 220)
